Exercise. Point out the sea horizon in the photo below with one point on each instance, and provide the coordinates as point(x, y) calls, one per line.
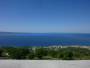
point(43, 39)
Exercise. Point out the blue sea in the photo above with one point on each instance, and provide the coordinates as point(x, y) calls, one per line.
point(43, 39)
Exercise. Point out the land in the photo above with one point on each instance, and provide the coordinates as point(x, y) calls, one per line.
point(46, 53)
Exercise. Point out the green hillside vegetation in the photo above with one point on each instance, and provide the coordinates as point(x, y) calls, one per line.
point(45, 53)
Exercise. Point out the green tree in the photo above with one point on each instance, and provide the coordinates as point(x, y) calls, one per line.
point(40, 53)
point(31, 54)
point(17, 53)
point(1, 51)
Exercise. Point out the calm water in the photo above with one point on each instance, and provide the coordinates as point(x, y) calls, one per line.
point(43, 39)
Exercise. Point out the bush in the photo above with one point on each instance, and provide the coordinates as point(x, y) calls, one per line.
point(17, 53)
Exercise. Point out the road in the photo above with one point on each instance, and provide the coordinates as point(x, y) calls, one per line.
point(44, 64)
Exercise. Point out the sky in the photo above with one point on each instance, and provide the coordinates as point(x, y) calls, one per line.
point(45, 16)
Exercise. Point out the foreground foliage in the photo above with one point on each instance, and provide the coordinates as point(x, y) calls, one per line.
point(35, 53)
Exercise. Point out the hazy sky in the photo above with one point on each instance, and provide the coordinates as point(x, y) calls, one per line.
point(45, 16)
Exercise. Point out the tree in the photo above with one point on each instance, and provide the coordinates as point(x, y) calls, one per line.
point(31, 54)
point(1, 51)
point(40, 52)
point(17, 53)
